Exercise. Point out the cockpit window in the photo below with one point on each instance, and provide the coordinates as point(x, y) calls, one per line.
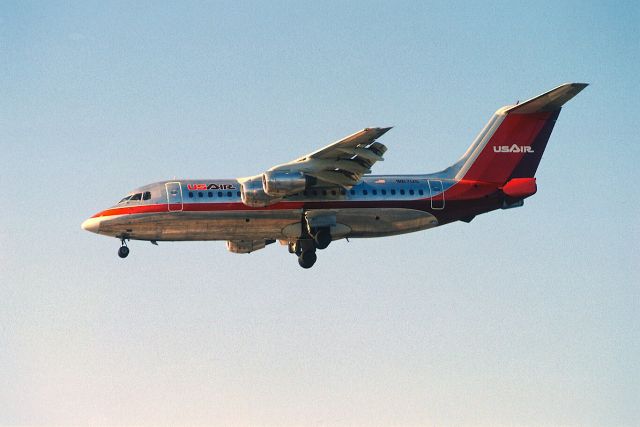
point(138, 196)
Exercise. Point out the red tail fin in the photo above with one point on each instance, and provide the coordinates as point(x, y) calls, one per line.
point(511, 146)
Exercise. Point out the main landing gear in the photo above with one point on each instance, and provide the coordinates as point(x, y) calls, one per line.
point(305, 247)
point(307, 258)
point(123, 252)
point(322, 238)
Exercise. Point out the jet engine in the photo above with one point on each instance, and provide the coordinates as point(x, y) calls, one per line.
point(272, 186)
point(246, 246)
point(253, 194)
point(280, 184)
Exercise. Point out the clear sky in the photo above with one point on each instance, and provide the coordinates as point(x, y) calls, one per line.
point(523, 317)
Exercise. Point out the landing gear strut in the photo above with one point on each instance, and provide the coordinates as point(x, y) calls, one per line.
point(123, 252)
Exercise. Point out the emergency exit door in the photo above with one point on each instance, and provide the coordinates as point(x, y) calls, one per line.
point(437, 194)
point(174, 196)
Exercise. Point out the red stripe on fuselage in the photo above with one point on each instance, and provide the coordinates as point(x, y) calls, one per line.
point(194, 207)
point(128, 210)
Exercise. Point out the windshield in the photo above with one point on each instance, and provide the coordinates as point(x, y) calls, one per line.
point(137, 196)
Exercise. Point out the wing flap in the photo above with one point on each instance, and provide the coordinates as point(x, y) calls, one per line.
point(339, 178)
point(350, 165)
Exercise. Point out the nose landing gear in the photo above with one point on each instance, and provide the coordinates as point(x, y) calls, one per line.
point(123, 252)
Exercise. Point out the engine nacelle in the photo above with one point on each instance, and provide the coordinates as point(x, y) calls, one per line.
point(253, 193)
point(280, 184)
point(245, 246)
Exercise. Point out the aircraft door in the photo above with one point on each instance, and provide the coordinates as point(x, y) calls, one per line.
point(174, 196)
point(437, 194)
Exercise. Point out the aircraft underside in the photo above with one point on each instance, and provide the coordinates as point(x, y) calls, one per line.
point(245, 231)
point(267, 224)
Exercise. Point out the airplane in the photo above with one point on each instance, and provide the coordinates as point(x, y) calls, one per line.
point(329, 194)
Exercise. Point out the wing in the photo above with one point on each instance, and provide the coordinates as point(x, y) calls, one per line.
point(342, 163)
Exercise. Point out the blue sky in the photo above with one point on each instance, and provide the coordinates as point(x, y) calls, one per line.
point(523, 317)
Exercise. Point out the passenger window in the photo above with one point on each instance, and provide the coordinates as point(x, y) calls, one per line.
point(210, 194)
point(393, 191)
point(314, 192)
point(136, 196)
point(324, 192)
point(200, 194)
point(411, 192)
point(402, 192)
point(374, 192)
point(343, 192)
point(364, 192)
point(333, 192)
point(229, 194)
point(146, 195)
point(384, 192)
point(352, 192)
point(191, 194)
point(420, 192)
point(237, 193)
point(219, 193)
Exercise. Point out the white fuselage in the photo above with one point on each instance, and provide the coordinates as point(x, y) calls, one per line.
point(213, 210)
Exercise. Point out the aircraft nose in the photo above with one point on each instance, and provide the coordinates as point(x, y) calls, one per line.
point(91, 224)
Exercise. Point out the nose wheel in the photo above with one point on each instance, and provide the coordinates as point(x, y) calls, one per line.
point(123, 252)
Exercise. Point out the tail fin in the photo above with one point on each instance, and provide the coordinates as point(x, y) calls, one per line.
point(512, 143)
